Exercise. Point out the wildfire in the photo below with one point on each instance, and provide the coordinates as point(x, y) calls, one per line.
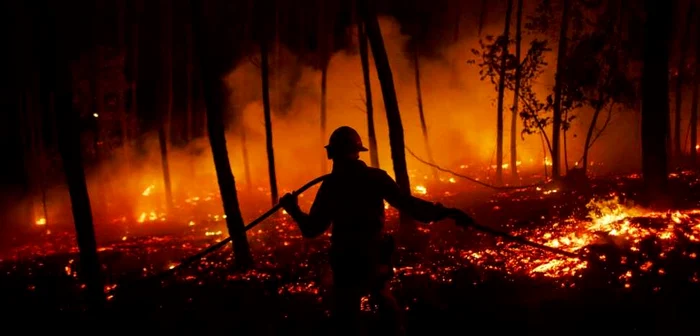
point(151, 216)
point(148, 190)
point(610, 220)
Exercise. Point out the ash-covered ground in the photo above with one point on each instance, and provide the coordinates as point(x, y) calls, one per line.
point(641, 273)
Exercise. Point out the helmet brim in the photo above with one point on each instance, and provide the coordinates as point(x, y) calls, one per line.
point(361, 149)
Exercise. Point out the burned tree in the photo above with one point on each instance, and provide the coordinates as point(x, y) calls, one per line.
point(598, 75)
point(364, 58)
point(265, 75)
point(694, 104)
point(655, 109)
point(516, 92)
point(419, 36)
point(61, 42)
point(166, 99)
point(391, 104)
point(214, 65)
point(324, 39)
point(558, 84)
point(680, 76)
point(504, 40)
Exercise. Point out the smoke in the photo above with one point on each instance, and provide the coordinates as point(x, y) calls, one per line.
point(459, 110)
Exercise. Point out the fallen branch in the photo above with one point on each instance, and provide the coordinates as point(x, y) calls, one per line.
point(421, 160)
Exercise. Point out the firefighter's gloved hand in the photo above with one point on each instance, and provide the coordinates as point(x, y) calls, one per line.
point(289, 202)
point(444, 212)
point(461, 218)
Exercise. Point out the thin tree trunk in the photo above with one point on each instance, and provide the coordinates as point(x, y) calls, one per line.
point(364, 58)
point(557, 120)
point(694, 105)
point(324, 86)
point(544, 153)
point(36, 126)
point(655, 105)
point(589, 136)
point(501, 94)
point(190, 108)
point(391, 105)
point(482, 15)
point(188, 83)
point(458, 21)
point(123, 112)
point(516, 93)
point(565, 147)
point(268, 119)
point(61, 81)
point(246, 160)
point(166, 104)
point(215, 97)
point(163, 143)
point(135, 64)
point(421, 114)
point(685, 44)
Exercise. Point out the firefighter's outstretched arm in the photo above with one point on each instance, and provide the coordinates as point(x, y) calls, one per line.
point(316, 221)
point(417, 208)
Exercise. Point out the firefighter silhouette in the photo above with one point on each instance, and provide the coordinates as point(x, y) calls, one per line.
point(352, 199)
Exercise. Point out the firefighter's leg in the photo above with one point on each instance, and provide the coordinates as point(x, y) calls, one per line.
point(346, 310)
point(389, 310)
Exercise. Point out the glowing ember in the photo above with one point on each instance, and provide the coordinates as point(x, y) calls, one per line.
point(419, 189)
point(608, 218)
point(148, 190)
point(41, 221)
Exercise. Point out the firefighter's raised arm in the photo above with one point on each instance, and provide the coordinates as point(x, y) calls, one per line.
point(317, 220)
point(417, 208)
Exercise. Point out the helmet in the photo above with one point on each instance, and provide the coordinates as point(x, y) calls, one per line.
point(345, 140)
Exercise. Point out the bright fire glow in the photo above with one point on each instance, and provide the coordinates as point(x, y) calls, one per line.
point(148, 190)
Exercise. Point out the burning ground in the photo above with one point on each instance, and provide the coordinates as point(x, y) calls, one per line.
point(638, 261)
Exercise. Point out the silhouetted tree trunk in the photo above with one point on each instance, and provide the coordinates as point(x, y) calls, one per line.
point(556, 119)
point(122, 30)
point(324, 87)
point(391, 105)
point(264, 71)
point(589, 134)
point(133, 71)
point(655, 109)
point(213, 68)
point(325, 31)
point(516, 93)
point(685, 44)
point(421, 114)
point(35, 154)
point(694, 105)
point(482, 15)
point(364, 58)
point(458, 21)
point(61, 40)
point(166, 102)
point(246, 161)
point(501, 94)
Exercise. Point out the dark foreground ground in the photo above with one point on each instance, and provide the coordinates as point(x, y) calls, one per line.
point(642, 276)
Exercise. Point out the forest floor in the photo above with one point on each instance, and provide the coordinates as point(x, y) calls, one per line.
point(642, 274)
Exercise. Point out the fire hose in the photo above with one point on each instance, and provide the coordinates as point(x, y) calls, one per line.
point(460, 218)
point(465, 221)
point(252, 224)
